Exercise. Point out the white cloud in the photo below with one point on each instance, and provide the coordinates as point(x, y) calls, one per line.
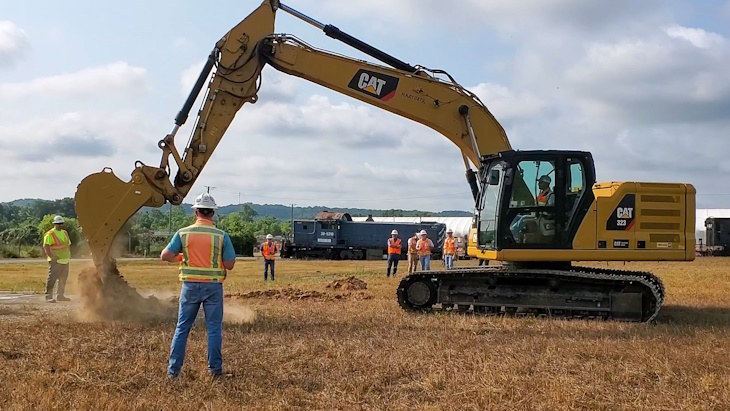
point(698, 37)
point(508, 105)
point(118, 78)
point(13, 43)
point(181, 43)
point(655, 79)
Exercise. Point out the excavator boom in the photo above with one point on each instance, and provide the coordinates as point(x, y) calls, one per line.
point(431, 97)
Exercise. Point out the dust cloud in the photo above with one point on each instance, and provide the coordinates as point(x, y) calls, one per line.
point(106, 296)
point(234, 313)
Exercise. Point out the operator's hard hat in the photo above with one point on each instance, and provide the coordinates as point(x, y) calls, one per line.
point(545, 179)
point(394, 232)
point(423, 232)
point(205, 200)
point(269, 236)
point(58, 220)
point(450, 231)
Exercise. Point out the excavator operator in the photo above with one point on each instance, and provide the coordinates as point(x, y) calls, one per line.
point(546, 197)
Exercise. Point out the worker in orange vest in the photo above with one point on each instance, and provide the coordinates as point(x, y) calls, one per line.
point(268, 250)
point(412, 254)
point(207, 255)
point(394, 249)
point(424, 246)
point(57, 247)
point(449, 249)
point(546, 197)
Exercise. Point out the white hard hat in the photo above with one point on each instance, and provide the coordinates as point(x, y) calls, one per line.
point(58, 220)
point(394, 232)
point(450, 231)
point(269, 236)
point(205, 200)
point(423, 232)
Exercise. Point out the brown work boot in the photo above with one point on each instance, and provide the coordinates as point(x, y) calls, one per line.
point(63, 298)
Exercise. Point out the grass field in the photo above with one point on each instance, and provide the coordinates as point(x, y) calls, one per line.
point(312, 347)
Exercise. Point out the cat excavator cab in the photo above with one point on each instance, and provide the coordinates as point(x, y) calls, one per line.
point(535, 243)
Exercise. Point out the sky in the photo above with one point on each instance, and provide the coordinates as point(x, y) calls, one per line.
point(643, 85)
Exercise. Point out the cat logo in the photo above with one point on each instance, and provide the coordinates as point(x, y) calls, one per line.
point(624, 212)
point(622, 218)
point(374, 84)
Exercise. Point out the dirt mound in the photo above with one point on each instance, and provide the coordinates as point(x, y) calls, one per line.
point(107, 296)
point(292, 294)
point(349, 283)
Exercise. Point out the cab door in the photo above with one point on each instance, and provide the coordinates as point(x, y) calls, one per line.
point(544, 193)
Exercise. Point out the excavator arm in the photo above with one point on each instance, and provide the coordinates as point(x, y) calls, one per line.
point(431, 97)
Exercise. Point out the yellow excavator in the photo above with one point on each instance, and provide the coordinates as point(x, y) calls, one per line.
point(536, 212)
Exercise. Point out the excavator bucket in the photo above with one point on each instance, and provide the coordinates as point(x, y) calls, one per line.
point(103, 204)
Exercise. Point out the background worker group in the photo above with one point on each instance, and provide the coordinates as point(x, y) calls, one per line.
point(419, 250)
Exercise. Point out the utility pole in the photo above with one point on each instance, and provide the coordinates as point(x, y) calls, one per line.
point(208, 187)
point(292, 222)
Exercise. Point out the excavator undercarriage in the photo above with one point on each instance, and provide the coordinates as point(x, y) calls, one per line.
point(576, 292)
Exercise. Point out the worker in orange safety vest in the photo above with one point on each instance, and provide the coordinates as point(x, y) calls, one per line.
point(449, 249)
point(412, 254)
point(394, 250)
point(424, 246)
point(207, 254)
point(546, 197)
point(57, 247)
point(268, 250)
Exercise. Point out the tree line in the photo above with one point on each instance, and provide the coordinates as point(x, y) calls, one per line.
point(145, 234)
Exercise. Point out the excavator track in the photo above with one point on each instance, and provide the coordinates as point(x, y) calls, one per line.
point(576, 292)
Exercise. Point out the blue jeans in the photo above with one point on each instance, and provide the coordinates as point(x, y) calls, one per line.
point(267, 264)
point(425, 262)
point(393, 262)
point(192, 295)
point(449, 260)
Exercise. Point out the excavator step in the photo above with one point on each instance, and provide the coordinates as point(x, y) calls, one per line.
point(578, 292)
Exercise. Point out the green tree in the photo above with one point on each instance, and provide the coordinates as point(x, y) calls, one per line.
point(393, 213)
point(247, 212)
point(240, 230)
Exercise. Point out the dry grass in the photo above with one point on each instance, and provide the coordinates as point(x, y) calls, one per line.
point(363, 352)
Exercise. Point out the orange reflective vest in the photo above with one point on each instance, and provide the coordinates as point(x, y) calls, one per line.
point(60, 247)
point(424, 247)
point(268, 251)
point(542, 198)
point(394, 246)
point(412, 245)
point(450, 246)
point(202, 253)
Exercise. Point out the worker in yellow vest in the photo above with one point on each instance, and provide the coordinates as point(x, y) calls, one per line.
point(207, 255)
point(424, 246)
point(412, 254)
point(57, 247)
point(449, 249)
point(268, 250)
point(394, 249)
